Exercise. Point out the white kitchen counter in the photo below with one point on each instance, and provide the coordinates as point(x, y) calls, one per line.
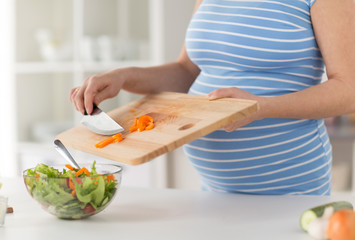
point(165, 214)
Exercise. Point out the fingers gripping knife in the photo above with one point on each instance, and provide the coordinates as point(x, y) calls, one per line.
point(100, 123)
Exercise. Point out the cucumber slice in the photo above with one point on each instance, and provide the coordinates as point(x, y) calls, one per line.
point(306, 218)
point(309, 215)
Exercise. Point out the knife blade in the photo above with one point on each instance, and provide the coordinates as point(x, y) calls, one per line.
point(100, 123)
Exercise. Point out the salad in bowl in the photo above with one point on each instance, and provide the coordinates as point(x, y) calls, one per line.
point(73, 193)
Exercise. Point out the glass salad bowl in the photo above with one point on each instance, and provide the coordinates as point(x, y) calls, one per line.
point(73, 193)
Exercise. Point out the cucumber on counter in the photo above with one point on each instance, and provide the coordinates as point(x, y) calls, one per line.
point(309, 215)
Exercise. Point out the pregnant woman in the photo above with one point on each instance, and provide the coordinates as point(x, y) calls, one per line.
point(271, 51)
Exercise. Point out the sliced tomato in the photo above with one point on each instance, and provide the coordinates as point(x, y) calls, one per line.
point(88, 209)
point(78, 180)
point(341, 225)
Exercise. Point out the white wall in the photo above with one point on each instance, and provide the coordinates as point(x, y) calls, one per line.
point(177, 17)
point(7, 122)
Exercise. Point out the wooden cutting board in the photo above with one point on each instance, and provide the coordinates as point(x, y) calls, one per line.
point(178, 119)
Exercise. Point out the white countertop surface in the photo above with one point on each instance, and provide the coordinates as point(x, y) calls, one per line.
point(165, 214)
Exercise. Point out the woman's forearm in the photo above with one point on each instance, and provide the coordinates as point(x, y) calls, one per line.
point(331, 98)
point(175, 77)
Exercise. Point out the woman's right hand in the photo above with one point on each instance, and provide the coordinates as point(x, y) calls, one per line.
point(95, 89)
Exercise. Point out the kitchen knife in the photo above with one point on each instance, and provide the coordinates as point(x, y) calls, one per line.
point(100, 123)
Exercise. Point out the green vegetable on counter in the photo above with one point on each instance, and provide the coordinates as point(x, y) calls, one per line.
point(309, 215)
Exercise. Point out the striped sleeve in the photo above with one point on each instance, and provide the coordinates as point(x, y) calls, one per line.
point(311, 2)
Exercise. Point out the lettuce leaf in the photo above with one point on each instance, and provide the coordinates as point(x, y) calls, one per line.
point(92, 191)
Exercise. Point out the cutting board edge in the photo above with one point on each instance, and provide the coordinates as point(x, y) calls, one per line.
point(129, 106)
point(143, 158)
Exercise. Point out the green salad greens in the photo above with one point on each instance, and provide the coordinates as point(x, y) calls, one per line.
point(70, 193)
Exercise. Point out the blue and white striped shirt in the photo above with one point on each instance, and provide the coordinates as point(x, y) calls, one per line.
point(266, 47)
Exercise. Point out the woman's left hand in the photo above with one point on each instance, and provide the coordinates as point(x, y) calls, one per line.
point(233, 92)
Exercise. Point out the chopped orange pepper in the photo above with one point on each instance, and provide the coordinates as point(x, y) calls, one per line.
point(82, 170)
point(37, 175)
point(149, 126)
point(69, 167)
point(134, 127)
point(143, 122)
point(110, 178)
point(79, 172)
point(71, 184)
point(146, 118)
point(141, 126)
point(105, 142)
point(118, 137)
point(86, 171)
point(115, 138)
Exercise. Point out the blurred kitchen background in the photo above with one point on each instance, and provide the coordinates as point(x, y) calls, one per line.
point(49, 46)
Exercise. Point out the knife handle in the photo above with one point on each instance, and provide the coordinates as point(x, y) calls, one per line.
point(93, 109)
